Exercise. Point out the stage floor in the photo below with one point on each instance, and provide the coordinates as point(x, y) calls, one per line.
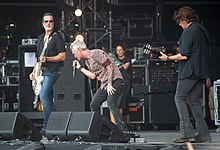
point(149, 140)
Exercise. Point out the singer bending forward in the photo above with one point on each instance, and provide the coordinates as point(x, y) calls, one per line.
point(101, 67)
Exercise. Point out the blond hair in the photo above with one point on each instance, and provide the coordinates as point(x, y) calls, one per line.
point(78, 44)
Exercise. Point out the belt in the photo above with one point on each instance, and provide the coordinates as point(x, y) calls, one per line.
point(44, 68)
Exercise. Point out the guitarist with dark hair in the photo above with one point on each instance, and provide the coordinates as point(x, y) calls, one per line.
point(192, 73)
point(51, 53)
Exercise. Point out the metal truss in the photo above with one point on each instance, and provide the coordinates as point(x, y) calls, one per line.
point(94, 24)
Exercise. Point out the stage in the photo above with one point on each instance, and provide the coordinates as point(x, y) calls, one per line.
point(149, 140)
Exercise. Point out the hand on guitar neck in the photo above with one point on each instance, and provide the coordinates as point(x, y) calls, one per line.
point(149, 50)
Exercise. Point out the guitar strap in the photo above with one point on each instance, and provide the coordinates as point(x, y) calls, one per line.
point(45, 46)
point(46, 43)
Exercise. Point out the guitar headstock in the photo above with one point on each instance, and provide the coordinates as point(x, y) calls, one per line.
point(147, 48)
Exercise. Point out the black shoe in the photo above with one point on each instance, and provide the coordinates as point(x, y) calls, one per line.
point(183, 140)
point(204, 141)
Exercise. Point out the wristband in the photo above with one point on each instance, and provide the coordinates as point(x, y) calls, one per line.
point(168, 58)
point(80, 68)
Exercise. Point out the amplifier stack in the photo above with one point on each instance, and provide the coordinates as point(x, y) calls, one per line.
point(9, 82)
point(154, 84)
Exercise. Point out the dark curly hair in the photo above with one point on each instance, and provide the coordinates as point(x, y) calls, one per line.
point(185, 13)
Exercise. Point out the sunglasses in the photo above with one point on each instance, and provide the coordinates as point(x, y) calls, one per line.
point(46, 21)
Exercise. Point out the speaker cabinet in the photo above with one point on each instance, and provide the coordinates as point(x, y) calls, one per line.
point(91, 126)
point(85, 124)
point(14, 125)
point(159, 103)
point(57, 125)
point(140, 28)
point(167, 113)
point(70, 91)
point(26, 57)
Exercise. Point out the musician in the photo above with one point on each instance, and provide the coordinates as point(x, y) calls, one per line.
point(126, 64)
point(192, 73)
point(52, 61)
point(100, 67)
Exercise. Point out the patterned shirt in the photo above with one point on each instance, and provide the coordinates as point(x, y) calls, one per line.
point(96, 64)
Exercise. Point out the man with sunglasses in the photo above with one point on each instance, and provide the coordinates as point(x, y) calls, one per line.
point(51, 53)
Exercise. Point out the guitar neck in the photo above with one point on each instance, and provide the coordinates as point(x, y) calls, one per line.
point(38, 68)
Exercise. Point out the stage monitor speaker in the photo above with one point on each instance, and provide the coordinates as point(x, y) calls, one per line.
point(93, 127)
point(14, 125)
point(57, 125)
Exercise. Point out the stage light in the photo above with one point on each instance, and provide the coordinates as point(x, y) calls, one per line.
point(78, 12)
point(11, 26)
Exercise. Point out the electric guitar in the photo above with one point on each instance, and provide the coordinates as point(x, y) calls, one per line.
point(115, 60)
point(36, 83)
point(148, 49)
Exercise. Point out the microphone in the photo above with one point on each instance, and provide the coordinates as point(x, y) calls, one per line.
point(74, 70)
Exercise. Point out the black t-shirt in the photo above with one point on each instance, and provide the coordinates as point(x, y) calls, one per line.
point(55, 46)
point(193, 44)
point(124, 61)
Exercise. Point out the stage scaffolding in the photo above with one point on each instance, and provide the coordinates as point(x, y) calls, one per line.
point(94, 24)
